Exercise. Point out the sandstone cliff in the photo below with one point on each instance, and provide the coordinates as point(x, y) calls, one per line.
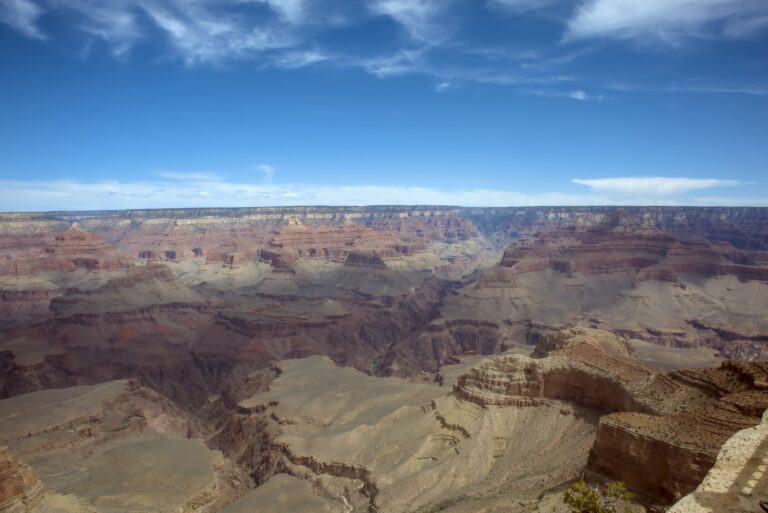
point(738, 482)
point(659, 433)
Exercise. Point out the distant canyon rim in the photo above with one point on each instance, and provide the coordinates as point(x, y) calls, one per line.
point(382, 359)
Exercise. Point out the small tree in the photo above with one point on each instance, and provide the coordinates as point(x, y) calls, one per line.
point(582, 498)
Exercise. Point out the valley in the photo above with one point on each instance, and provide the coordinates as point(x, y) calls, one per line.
point(376, 359)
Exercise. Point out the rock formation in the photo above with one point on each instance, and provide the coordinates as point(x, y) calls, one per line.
point(738, 482)
point(633, 335)
point(651, 424)
point(20, 490)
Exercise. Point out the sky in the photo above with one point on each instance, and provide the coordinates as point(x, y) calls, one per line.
point(216, 103)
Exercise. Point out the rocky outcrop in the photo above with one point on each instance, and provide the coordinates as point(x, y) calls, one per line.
point(666, 454)
point(738, 481)
point(20, 490)
point(583, 373)
point(659, 433)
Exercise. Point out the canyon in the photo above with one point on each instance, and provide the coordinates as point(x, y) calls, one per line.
point(378, 359)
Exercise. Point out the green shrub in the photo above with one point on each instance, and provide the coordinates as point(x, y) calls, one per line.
point(582, 498)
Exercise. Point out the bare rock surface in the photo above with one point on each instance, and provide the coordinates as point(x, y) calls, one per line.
point(408, 446)
point(108, 448)
point(285, 493)
point(739, 480)
point(276, 349)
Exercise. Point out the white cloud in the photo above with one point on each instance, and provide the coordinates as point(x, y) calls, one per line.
point(653, 186)
point(268, 171)
point(422, 19)
point(667, 21)
point(294, 11)
point(398, 63)
point(578, 95)
point(284, 34)
point(22, 15)
point(198, 31)
point(73, 195)
point(301, 58)
point(199, 34)
point(693, 88)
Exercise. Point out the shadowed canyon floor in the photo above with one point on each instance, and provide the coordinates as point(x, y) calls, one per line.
point(392, 359)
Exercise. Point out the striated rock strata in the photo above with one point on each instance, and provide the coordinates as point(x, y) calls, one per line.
point(660, 433)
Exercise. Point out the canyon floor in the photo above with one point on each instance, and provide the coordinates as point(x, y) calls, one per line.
point(380, 359)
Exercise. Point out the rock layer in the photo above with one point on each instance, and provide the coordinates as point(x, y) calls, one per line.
point(659, 433)
point(20, 490)
point(738, 482)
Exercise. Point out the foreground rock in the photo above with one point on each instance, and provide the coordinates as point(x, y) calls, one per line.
point(739, 480)
point(660, 433)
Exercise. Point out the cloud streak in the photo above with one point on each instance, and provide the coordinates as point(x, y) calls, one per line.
point(268, 172)
point(184, 190)
point(667, 21)
point(424, 20)
point(22, 14)
point(653, 186)
point(292, 34)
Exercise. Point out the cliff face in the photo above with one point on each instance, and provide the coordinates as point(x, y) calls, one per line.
point(659, 433)
point(627, 276)
point(592, 372)
point(738, 481)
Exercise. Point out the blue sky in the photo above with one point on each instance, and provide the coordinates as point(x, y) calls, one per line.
point(176, 103)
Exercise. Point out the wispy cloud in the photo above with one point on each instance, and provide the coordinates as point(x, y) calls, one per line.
point(667, 21)
point(691, 86)
point(290, 34)
point(75, 195)
point(268, 172)
point(578, 95)
point(199, 31)
point(422, 19)
point(22, 14)
point(294, 11)
point(654, 186)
